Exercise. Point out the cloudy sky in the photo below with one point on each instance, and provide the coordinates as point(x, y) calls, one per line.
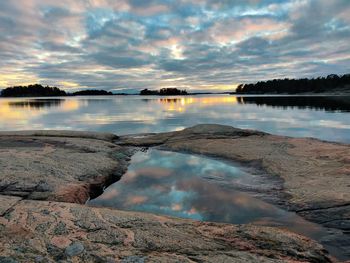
point(127, 45)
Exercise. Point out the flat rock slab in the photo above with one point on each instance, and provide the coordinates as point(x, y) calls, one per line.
point(110, 137)
point(36, 165)
point(42, 231)
point(73, 166)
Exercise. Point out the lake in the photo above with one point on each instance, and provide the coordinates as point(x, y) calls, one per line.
point(323, 117)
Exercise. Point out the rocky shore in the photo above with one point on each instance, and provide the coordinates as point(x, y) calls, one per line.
point(47, 176)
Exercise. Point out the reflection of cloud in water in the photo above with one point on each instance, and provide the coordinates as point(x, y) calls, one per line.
point(23, 111)
point(176, 184)
point(216, 203)
point(161, 188)
point(110, 194)
point(192, 161)
point(136, 200)
point(176, 207)
point(149, 172)
point(15, 116)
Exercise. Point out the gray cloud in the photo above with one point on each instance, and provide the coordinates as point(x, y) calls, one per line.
point(203, 44)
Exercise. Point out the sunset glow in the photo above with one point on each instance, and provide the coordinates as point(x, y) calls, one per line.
point(128, 45)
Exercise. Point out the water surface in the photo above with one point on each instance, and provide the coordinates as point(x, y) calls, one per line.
point(323, 117)
point(199, 188)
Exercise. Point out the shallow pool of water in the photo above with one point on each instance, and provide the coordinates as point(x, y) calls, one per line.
point(199, 188)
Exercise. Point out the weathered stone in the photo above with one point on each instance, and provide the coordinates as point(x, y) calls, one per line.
point(58, 166)
point(160, 239)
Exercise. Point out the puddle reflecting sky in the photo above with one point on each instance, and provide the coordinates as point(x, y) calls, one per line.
point(326, 118)
point(195, 187)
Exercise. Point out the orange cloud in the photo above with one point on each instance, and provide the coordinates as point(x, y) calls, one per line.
point(225, 32)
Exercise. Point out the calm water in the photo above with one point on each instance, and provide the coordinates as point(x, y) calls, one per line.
point(199, 188)
point(326, 118)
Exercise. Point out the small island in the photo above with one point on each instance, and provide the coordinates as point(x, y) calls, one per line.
point(35, 90)
point(164, 92)
point(331, 84)
point(38, 90)
point(92, 92)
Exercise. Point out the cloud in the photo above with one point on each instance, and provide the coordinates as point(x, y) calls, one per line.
point(133, 44)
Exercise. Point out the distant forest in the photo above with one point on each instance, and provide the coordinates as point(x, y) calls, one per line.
point(164, 92)
point(35, 90)
point(92, 92)
point(38, 90)
point(331, 83)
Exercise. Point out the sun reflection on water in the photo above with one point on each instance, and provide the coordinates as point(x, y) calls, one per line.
point(181, 104)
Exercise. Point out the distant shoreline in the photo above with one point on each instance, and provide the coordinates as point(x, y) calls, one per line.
point(197, 94)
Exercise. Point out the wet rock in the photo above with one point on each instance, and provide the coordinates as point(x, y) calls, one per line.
point(336, 217)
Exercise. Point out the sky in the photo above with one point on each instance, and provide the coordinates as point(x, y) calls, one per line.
point(198, 45)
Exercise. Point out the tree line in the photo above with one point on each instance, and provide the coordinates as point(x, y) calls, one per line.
point(331, 83)
point(37, 90)
point(164, 92)
point(32, 91)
